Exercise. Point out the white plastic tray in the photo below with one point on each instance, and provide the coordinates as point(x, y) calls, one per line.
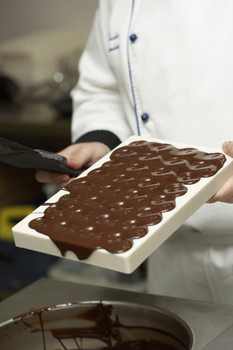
point(127, 262)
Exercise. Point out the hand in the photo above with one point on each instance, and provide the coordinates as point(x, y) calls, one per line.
point(79, 155)
point(225, 194)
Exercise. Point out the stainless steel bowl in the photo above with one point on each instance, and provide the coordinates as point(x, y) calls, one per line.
point(59, 327)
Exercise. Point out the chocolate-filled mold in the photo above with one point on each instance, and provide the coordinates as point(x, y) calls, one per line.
point(131, 194)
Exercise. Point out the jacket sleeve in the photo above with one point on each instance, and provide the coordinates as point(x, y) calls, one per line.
point(104, 136)
point(96, 98)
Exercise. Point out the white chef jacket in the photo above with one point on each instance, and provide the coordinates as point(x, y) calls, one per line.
point(163, 69)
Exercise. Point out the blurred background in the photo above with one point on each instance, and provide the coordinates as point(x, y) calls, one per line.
point(40, 46)
point(25, 16)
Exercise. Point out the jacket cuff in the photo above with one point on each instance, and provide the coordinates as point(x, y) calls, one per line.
point(104, 136)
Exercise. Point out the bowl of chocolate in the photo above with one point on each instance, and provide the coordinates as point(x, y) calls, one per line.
point(96, 325)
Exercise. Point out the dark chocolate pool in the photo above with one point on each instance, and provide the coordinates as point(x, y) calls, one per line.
point(96, 325)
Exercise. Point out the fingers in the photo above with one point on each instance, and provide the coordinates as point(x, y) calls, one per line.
point(228, 148)
point(73, 163)
point(225, 193)
point(60, 180)
point(78, 156)
point(84, 154)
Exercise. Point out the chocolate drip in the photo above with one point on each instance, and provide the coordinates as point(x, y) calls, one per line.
point(117, 202)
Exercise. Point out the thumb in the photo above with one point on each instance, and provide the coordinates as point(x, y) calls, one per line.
point(72, 163)
point(228, 148)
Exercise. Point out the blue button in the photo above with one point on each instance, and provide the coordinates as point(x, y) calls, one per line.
point(145, 117)
point(133, 37)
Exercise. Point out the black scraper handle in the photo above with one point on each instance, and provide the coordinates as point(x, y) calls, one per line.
point(24, 157)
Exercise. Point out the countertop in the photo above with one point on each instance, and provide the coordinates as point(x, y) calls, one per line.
point(207, 321)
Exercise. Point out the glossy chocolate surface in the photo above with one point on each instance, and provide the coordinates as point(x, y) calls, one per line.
point(116, 203)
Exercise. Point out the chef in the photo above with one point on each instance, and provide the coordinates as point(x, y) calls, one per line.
point(163, 69)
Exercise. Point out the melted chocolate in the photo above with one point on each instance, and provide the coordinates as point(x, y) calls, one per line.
point(107, 332)
point(115, 203)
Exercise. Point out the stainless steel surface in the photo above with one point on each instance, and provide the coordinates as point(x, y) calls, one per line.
point(137, 322)
point(206, 321)
point(223, 342)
